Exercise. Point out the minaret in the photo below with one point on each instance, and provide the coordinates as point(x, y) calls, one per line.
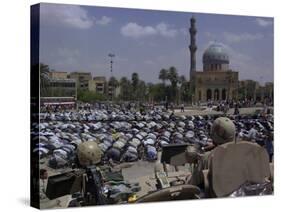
point(192, 46)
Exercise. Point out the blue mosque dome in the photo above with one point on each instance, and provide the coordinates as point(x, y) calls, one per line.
point(215, 54)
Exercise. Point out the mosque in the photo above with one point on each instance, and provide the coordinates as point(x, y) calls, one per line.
point(217, 81)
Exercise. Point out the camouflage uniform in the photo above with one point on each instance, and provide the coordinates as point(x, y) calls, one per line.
point(223, 131)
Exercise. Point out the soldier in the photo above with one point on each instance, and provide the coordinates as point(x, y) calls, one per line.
point(89, 153)
point(222, 131)
point(43, 178)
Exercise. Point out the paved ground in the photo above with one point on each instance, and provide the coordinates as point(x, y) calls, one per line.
point(203, 111)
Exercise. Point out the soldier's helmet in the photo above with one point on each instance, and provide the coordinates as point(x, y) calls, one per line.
point(89, 153)
point(222, 131)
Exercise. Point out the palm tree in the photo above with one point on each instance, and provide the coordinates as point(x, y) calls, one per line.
point(182, 88)
point(135, 83)
point(126, 89)
point(163, 75)
point(113, 83)
point(135, 80)
point(141, 90)
point(174, 79)
point(44, 79)
point(173, 76)
point(182, 79)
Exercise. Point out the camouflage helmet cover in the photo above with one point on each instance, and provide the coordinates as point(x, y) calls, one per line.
point(89, 153)
point(222, 131)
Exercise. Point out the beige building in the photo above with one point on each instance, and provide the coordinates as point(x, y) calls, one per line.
point(248, 89)
point(217, 81)
point(98, 85)
point(252, 90)
point(58, 75)
point(113, 91)
point(62, 88)
point(60, 85)
point(101, 86)
point(216, 85)
point(82, 79)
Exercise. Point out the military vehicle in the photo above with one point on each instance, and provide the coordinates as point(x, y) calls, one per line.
point(235, 169)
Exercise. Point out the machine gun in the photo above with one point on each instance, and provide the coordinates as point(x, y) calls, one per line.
point(94, 192)
point(91, 186)
point(85, 185)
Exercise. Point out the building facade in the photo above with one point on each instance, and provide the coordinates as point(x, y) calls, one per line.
point(217, 81)
point(98, 85)
point(62, 88)
point(252, 90)
point(101, 86)
point(58, 75)
point(59, 85)
point(82, 79)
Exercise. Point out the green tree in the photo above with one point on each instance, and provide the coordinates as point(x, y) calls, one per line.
point(157, 92)
point(163, 75)
point(135, 83)
point(125, 89)
point(174, 79)
point(44, 79)
point(89, 96)
point(182, 82)
point(141, 90)
point(113, 83)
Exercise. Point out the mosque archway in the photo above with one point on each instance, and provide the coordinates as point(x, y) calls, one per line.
point(223, 94)
point(216, 95)
point(209, 94)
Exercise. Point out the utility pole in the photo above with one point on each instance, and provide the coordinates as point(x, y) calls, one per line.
point(111, 55)
point(111, 61)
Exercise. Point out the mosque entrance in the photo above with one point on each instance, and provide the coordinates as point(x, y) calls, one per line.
point(216, 95)
point(223, 94)
point(209, 94)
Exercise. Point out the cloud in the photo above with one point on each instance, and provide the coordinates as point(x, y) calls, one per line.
point(135, 30)
point(70, 16)
point(104, 21)
point(164, 30)
point(236, 38)
point(264, 22)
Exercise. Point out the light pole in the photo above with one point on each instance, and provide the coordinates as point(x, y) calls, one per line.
point(111, 61)
point(111, 55)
